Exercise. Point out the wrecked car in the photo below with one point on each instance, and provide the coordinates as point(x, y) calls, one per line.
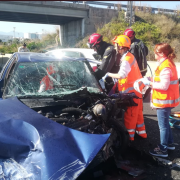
point(70, 122)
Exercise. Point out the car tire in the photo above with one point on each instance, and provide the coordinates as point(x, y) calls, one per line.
point(122, 134)
point(98, 159)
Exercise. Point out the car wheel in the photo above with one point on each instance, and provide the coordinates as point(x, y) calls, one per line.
point(122, 139)
point(122, 136)
point(98, 159)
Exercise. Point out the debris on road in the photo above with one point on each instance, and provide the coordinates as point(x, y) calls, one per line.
point(126, 165)
point(172, 164)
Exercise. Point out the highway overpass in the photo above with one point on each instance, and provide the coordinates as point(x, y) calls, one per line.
point(75, 20)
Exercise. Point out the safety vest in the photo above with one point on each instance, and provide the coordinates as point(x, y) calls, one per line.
point(170, 97)
point(48, 83)
point(126, 85)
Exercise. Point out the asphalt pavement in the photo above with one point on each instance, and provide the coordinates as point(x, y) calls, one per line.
point(161, 170)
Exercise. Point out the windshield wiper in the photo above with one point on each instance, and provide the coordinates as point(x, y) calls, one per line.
point(64, 85)
point(38, 96)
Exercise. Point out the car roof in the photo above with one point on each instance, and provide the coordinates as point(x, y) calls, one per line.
point(37, 57)
point(75, 49)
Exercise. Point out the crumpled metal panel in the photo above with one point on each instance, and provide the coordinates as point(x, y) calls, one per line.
point(34, 147)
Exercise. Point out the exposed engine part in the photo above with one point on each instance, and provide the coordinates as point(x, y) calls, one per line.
point(88, 116)
point(60, 120)
point(92, 124)
point(40, 112)
point(108, 151)
point(72, 110)
point(96, 116)
point(49, 114)
point(63, 114)
point(99, 110)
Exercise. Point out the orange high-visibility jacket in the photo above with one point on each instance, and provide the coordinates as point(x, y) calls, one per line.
point(170, 97)
point(126, 85)
point(48, 83)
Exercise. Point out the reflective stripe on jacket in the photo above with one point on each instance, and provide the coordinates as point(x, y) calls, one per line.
point(126, 85)
point(170, 97)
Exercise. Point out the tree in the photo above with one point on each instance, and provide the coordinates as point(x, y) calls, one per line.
point(9, 41)
point(16, 40)
point(57, 37)
point(0, 40)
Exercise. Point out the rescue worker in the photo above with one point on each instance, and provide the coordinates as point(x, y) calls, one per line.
point(23, 48)
point(129, 72)
point(108, 58)
point(165, 95)
point(139, 50)
point(47, 82)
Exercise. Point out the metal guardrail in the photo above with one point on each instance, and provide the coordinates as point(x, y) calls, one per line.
point(122, 5)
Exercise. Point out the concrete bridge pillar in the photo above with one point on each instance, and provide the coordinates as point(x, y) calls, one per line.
point(71, 32)
point(97, 18)
point(75, 30)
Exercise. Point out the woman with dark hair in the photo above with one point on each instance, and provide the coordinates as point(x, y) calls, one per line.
point(165, 95)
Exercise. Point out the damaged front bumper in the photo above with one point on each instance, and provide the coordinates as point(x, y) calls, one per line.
point(40, 148)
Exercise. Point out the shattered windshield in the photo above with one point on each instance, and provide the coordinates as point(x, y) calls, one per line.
point(50, 78)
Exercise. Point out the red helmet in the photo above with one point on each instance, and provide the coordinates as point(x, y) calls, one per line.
point(129, 33)
point(94, 39)
point(51, 69)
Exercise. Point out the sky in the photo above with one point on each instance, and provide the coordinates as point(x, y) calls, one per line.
point(39, 28)
point(155, 4)
point(26, 27)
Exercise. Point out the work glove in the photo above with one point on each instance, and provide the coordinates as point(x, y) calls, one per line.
point(148, 78)
point(102, 83)
point(146, 81)
point(104, 77)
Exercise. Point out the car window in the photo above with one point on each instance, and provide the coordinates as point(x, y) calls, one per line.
point(50, 53)
point(81, 55)
point(71, 54)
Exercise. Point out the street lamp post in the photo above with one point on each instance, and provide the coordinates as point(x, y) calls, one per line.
point(131, 3)
point(129, 12)
point(14, 31)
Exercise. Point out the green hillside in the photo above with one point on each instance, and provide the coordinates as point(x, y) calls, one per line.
point(150, 28)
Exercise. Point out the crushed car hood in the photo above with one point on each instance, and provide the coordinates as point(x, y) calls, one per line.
point(34, 147)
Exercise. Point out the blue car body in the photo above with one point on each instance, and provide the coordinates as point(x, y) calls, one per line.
point(34, 147)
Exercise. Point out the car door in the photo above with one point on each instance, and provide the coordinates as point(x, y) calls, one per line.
point(6, 72)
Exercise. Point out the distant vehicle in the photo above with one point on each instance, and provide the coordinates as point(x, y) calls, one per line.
point(89, 54)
